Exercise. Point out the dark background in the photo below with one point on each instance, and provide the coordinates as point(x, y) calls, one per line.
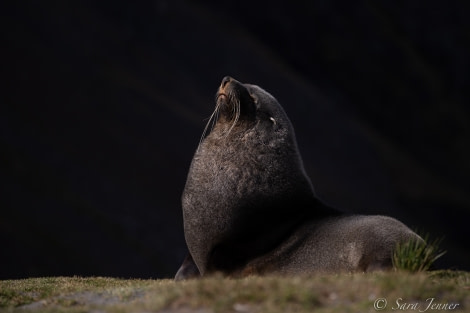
point(103, 104)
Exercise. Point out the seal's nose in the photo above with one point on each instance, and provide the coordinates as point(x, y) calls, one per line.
point(225, 81)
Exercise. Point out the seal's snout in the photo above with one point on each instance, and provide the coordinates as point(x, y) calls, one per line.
point(228, 84)
point(232, 96)
point(226, 88)
point(225, 81)
point(231, 85)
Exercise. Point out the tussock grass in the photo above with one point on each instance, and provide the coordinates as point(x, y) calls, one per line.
point(417, 256)
point(319, 293)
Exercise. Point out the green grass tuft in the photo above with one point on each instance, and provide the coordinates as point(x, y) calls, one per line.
point(417, 256)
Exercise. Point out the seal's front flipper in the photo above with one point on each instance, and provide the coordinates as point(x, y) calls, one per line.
point(188, 269)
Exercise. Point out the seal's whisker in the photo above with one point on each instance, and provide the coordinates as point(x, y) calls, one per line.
point(232, 98)
point(236, 114)
point(212, 120)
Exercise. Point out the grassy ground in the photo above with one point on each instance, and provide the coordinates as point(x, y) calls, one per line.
point(321, 293)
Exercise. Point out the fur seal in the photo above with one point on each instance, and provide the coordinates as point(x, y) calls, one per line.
point(250, 208)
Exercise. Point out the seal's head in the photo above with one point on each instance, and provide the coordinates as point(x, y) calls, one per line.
point(240, 107)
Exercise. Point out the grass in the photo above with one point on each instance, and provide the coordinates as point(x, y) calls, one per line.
point(409, 288)
point(417, 256)
point(322, 293)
